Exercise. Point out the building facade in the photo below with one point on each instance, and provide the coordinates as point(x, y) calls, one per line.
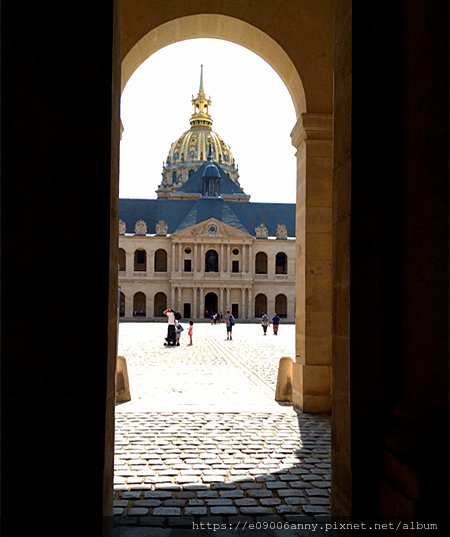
point(201, 246)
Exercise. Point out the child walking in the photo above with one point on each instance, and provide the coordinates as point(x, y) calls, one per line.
point(190, 330)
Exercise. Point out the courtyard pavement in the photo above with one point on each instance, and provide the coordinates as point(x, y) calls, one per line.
point(203, 441)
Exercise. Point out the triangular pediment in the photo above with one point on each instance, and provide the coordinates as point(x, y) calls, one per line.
point(212, 229)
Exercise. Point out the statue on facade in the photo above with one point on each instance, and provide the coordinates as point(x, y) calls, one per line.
point(140, 228)
point(281, 231)
point(161, 228)
point(261, 232)
point(122, 227)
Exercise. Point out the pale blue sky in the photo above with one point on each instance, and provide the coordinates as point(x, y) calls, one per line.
point(251, 110)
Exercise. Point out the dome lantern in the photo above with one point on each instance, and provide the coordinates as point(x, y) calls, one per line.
point(200, 117)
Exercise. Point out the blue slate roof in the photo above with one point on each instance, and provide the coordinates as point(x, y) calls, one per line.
point(180, 214)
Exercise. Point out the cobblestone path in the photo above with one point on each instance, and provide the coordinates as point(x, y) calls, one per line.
point(203, 439)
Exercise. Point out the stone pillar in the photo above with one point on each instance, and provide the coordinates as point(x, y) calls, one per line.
point(221, 264)
point(221, 308)
point(312, 137)
point(194, 259)
point(180, 257)
point(242, 307)
point(270, 306)
point(128, 305)
point(179, 297)
point(194, 303)
point(172, 262)
point(228, 298)
point(250, 308)
point(129, 260)
point(149, 306)
point(201, 267)
point(227, 262)
point(172, 297)
point(201, 305)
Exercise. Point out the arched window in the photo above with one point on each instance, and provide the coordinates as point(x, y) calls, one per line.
point(140, 260)
point(160, 304)
point(260, 305)
point(122, 260)
point(261, 263)
point(139, 305)
point(211, 261)
point(122, 305)
point(281, 263)
point(160, 261)
point(281, 306)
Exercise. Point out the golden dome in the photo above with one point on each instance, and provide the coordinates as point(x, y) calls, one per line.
point(195, 146)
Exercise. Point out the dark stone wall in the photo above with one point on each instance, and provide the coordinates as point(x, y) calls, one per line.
point(56, 168)
point(399, 259)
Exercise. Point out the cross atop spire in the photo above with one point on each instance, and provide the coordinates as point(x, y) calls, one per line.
point(201, 90)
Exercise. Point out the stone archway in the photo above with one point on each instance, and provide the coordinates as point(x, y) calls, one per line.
point(211, 303)
point(310, 86)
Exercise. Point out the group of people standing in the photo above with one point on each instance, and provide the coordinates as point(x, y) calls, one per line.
point(266, 322)
point(174, 327)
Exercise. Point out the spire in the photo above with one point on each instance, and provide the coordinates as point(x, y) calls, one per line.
point(201, 90)
point(200, 117)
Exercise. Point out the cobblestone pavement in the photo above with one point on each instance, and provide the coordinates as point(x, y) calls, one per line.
point(203, 440)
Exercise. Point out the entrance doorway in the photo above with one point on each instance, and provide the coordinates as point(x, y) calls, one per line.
point(211, 302)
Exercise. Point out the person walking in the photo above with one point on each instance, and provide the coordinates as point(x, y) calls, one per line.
point(190, 331)
point(265, 323)
point(171, 336)
point(275, 323)
point(229, 322)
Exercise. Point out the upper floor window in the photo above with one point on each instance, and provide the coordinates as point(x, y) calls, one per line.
point(261, 263)
point(281, 263)
point(140, 260)
point(160, 261)
point(122, 260)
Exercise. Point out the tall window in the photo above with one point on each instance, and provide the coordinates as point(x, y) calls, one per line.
point(122, 260)
point(140, 260)
point(160, 304)
point(122, 305)
point(211, 261)
point(261, 263)
point(281, 263)
point(281, 305)
point(139, 305)
point(160, 261)
point(260, 305)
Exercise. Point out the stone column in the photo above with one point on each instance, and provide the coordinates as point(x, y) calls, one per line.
point(194, 303)
point(228, 262)
point(179, 304)
point(194, 259)
point(172, 297)
point(221, 264)
point(172, 262)
point(221, 308)
point(251, 306)
point(228, 299)
point(180, 257)
point(242, 307)
point(201, 305)
point(312, 137)
point(201, 267)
